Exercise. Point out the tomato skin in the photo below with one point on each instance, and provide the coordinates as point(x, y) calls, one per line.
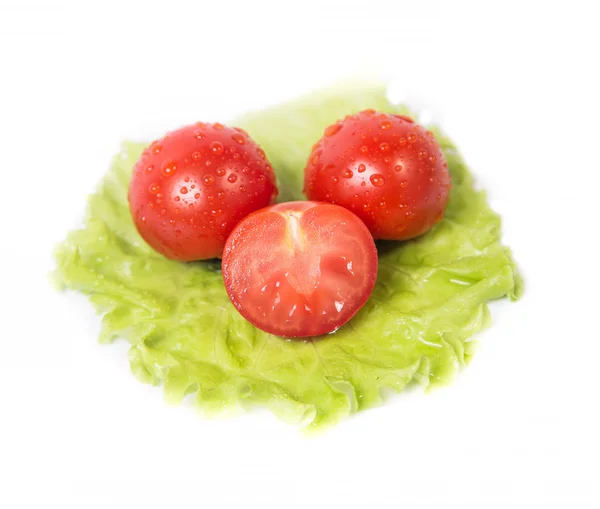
point(189, 189)
point(386, 169)
point(299, 269)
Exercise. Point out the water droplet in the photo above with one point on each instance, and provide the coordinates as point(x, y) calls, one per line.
point(364, 149)
point(210, 198)
point(217, 148)
point(404, 117)
point(385, 125)
point(439, 216)
point(403, 183)
point(366, 207)
point(338, 305)
point(149, 168)
point(384, 147)
point(221, 195)
point(197, 195)
point(208, 179)
point(382, 204)
point(261, 153)
point(156, 147)
point(438, 197)
point(315, 157)
point(218, 126)
point(432, 159)
point(245, 169)
point(347, 173)
point(177, 198)
point(430, 134)
point(412, 137)
point(172, 222)
point(168, 168)
point(409, 214)
point(183, 190)
point(243, 189)
point(143, 219)
point(153, 189)
point(196, 156)
point(177, 233)
point(361, 168)
point(402, 142)
point(423, 154)
point(332, 129)
point(232, 178)
point(239, 138)
point(377, 180)
point(199, 135)
point(363, 183)
point(387, 160)
point(220, 171)
point(334, 180)
point(370, 112)
point(261, 178)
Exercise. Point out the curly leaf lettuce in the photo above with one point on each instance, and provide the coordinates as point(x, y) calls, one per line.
point(430, 297)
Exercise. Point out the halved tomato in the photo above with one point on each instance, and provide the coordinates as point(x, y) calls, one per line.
point(300, 269)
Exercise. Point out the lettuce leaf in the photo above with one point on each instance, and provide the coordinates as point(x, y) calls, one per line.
point(430, 297)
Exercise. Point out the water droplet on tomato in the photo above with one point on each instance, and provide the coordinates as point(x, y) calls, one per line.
point(177, 198)
point(398, 167)
point(385, 125)
point(384, 147)
point(199, 135)
point(377, 180)
point(382, 204)
point(183, 190)
point(347, 173)
point(332, 129)
point(197, 195)
point(315, 157)
point(403, 183)
point(218, 126)
point(361, 168)
point(438, 197)
point(432, 159)
point(232, 178)
point(363, 183)
point(334, 180)
point(366, 207)
point(196, 156)
point(412, 137)
point(154, 188)
point(208, 179)
point(168, 168)
point(149, 168)
point(387, 160)
point(261, 178)
point(216, 147)
point(239, 138)
point(364, 149)
point(210, 198)
point(221, 195)
point(243, 189)
point(369, 112)
point(402, 142)
point(220, 171)
point(261, 153)
point(143, 219)
point(423, 154)
point(156, 147)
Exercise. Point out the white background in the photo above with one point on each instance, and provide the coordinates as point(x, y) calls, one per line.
point(514, 82)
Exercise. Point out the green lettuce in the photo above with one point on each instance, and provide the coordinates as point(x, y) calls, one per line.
point(430, 297)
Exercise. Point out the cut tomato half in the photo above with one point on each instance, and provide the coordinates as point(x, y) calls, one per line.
point(300, 269)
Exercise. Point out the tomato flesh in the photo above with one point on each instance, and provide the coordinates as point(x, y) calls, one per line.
point(189, 189)
point(385, 168)
point(300, 269)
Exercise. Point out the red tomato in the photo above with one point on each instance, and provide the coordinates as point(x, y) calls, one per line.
point(386, 169)
point(189, 189)
point(300, 269)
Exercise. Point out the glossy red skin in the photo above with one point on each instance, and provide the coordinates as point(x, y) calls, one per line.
point(386, 169)
point(189, 189)
point(300, 269)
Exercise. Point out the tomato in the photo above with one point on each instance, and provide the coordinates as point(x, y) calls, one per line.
point(300, 269)
point(189, 189)
point(386, 169)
